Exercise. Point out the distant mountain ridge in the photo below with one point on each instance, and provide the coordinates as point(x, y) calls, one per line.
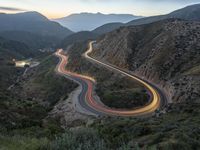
point(191, 13)
point(33, 29)
point(32, 22)
point(90, 21)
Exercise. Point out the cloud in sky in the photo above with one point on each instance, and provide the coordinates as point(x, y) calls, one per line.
point(179, 1)
point(11, 9)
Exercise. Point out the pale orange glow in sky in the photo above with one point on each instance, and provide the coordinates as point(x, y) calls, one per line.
point(61, 8)
point(53, 15)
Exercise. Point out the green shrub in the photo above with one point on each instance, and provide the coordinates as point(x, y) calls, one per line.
point(22, 143)
point(81, 139)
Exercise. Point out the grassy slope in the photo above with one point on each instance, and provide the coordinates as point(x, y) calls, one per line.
point(22, 124)
point(178, 129)
point(171, 131)
point(13, 49)
point(46, 85)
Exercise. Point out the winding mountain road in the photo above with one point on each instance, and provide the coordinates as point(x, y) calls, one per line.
point(86, 98)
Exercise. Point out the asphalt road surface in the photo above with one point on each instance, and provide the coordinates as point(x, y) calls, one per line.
point(86, 98)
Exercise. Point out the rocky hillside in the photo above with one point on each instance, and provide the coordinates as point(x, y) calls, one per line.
point(165, 52)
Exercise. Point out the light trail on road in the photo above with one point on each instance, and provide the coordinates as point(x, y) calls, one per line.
point(87, 99)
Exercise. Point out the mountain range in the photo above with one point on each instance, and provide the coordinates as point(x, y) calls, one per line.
point(32, 28)
point(90, 21)
point(32, 22)
point(37, 31)
point(188, 13)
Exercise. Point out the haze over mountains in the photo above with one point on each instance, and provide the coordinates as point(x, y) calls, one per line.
point(90, 21)
point(188, 13)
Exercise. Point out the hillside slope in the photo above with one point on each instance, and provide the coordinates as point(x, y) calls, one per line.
point(77, 37)
point(10, 49)
point(34, 41)
point(107, 28)
point(165, 52)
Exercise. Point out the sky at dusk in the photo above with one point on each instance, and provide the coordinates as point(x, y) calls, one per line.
point(61, 8)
